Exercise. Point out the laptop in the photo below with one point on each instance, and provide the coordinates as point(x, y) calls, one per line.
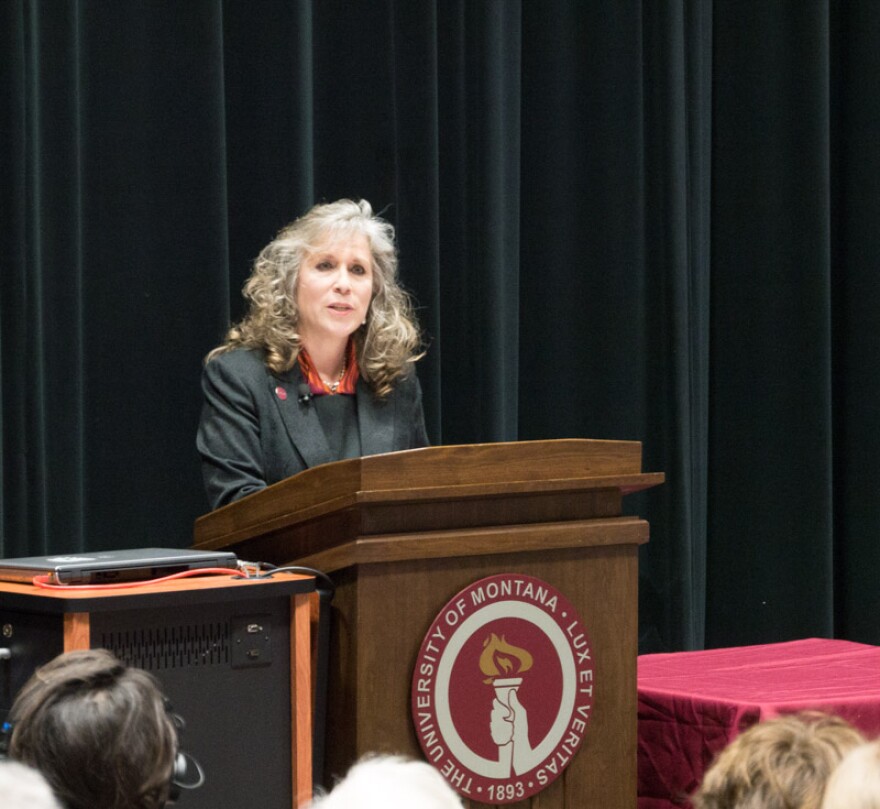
point(109, 567)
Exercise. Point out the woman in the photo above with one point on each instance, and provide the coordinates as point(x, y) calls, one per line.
point(322, 366)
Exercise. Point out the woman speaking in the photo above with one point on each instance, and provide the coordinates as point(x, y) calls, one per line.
point(321, 368)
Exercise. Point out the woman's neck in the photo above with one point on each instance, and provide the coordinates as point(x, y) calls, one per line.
point(328, 359)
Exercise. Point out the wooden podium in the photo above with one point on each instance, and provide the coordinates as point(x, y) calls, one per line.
point(402, 533)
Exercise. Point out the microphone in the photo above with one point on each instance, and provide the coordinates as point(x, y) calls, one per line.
point(304, 393)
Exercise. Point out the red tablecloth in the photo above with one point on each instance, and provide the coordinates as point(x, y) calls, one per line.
point(691, 704)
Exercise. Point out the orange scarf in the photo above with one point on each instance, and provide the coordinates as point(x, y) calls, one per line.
point(317, 386)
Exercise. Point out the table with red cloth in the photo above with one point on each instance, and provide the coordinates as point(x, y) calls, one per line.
point(692, 704)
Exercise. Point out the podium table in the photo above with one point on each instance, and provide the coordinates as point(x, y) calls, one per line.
point(232, 655)
point(692, 704)
point(402, 533)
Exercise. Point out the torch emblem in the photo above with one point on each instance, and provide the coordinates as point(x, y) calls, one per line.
point(502, 690)
point(509, 722)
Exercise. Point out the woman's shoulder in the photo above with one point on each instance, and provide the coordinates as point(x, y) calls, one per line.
point(239, 358)
point(407, 385)
point(241, 364)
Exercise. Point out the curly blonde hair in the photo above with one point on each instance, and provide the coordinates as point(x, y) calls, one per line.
point(387, 345)
point(780, 763)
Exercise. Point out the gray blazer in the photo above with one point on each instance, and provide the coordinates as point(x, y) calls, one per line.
point(255, 431)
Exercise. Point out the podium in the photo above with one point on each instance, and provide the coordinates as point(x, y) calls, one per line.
point(403, 533)
point(245, 695)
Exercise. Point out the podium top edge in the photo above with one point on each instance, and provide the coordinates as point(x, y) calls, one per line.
point(455, 468)
point(454, 464)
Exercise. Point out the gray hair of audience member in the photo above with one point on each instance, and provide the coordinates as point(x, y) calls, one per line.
point(22, 787)
point(855, 783)
point(99, 732)
point(778, 764)
point(390, 782)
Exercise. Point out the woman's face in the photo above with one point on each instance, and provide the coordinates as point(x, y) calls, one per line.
point(334, 289)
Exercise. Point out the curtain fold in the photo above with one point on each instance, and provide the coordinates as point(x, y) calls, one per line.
point(770, 502)
point(619, 219)
point(855, 281)
point(43, 446)
point(417, 114)
point(677, 118)
point(479, 110)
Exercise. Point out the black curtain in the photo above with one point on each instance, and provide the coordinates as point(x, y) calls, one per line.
point(621, 219)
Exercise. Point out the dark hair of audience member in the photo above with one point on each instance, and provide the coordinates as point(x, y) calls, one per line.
point(97, 730)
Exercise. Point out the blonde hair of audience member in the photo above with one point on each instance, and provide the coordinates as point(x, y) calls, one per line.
point(781, 763)
point(390, 782)
point(855, 783)
point(22, 787)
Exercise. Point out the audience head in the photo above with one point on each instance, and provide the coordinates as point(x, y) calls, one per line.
point(99, 732)
point(782, 763)
point(24, 788)
point(390, 782)
point(855, 784)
